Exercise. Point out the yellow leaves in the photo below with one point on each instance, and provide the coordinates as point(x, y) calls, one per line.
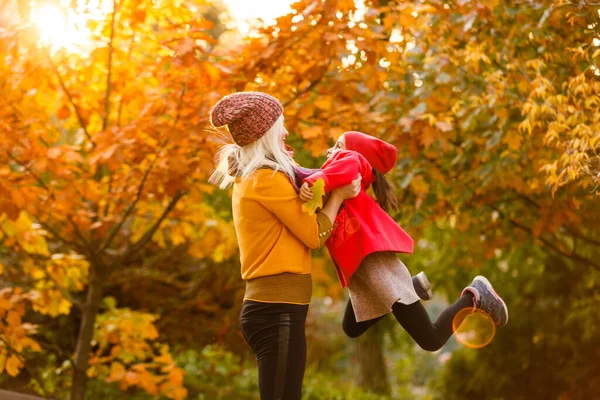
point(3, 357)
point(513, 139)
point(525, 126)
point(13, 365)
point(419, 186)
point(324, 103)
point(474, 55)
point(15, 334)
point(14, 319)
point(318, 190)
point(427, 136)
point(63, 272)
point(592, 102)
point(312, 132)
point(51, 302)
point(335, 132)
point(117, 372)
point(535, 64)
point(126, 353)
point(306, 112)
point(25, 234)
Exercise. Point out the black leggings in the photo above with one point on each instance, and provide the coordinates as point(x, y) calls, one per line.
point(415, 320)
point(275, 331)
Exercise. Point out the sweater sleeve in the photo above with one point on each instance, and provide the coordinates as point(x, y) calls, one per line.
point(276, 193)
point(325, 227)
point(341, 170)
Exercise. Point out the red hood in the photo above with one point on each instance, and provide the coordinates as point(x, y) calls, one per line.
point(381, 155)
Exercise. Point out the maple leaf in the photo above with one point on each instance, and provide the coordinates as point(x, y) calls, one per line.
point(318, 190)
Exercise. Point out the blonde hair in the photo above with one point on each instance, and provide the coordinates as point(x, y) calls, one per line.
point(235, 161)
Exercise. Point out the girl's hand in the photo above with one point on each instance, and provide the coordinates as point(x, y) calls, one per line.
point(305, 193)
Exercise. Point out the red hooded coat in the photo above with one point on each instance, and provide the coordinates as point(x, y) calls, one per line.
point(362, 226)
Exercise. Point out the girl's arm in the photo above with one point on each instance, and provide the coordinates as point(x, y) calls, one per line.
point(341, 170)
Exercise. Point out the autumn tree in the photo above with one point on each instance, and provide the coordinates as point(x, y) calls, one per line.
point(103, 154)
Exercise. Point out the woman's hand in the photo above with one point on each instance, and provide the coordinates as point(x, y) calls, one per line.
point(349, 191)
point(305, 193)
point(338, 196)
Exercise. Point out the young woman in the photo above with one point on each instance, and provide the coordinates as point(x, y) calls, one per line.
point(274, 236)
point(364, 244)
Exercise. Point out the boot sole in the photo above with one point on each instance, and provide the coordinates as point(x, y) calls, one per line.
point(489, 285)
point(424, 282)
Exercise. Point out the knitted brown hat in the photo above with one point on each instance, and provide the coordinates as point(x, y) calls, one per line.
point(247, 115)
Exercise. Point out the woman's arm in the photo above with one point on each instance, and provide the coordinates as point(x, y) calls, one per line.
point(276, 194)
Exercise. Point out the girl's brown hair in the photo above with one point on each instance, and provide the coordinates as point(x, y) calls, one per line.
point(384, 192)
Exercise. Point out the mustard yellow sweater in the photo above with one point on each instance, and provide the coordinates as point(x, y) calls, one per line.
point(274, 235)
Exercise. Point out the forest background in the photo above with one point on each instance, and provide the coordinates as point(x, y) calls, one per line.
point(119, 270)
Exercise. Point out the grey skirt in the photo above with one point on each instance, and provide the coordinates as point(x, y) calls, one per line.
point(380, 281)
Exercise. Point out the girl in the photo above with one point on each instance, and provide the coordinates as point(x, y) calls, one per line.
point(363, 246)
point(274, 235)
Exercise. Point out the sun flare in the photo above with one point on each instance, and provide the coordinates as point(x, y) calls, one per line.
point(63, 27)
point(246, 13)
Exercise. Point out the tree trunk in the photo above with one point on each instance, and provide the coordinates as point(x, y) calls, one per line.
point(372, 370)
point(84, 338)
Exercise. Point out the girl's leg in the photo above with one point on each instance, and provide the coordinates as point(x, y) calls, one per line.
point(276, 333)
point(352, 328)
point(431, 337)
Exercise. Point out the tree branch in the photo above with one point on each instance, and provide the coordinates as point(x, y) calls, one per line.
point(109, 67)
point(129, 52)
point(573, 233)
point(138, 196)
point(309, 87)
point(58, 236)
point(549, 244)
point(180, 103)
point(584, 238)
point(131, 207)
point(68, 94)
point(77, 231)
point(148, 235)
point(30, 171)
point(52, 347)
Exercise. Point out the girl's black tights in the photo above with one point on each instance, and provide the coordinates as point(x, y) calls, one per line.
point(415, 320)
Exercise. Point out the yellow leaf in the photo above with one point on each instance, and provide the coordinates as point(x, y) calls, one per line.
point(13, 319)
point(323, 103)
point(312, 132)
point(1, 268)
point(176, 376)
point(428, 136)
point(318, 190)
point(419, 185)
point(35, 346)
point(3, 356)
point(306, 112)
point(513, 139)
point(117, 372)
point(13, 364)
